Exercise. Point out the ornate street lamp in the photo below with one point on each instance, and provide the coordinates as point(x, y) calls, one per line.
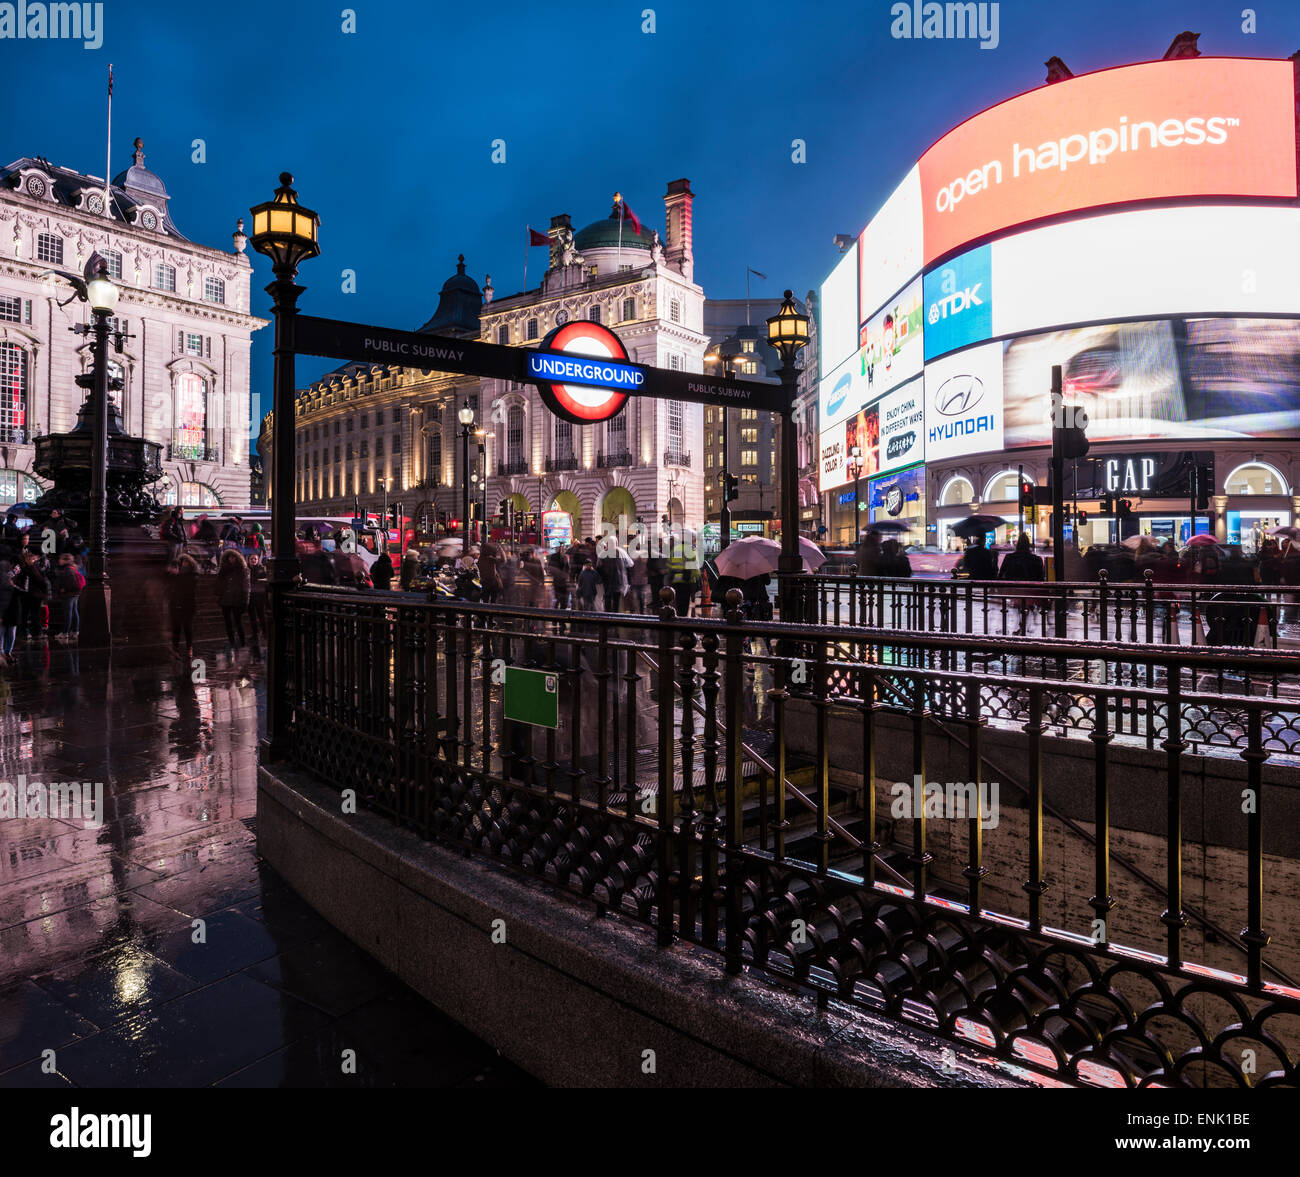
point(855, 460)
point(466, 417)
point(287, 233)
point(96, 598)
point(787, 332)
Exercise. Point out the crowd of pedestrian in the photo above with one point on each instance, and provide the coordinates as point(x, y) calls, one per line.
point(41, 580)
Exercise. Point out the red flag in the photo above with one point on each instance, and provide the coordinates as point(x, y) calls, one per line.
point(626, 213)
point(536, 238)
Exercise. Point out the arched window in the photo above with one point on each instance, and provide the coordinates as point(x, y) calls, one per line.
point(13, 393)
point(515, 435)
point(17, 486)
point(957, 492)
point(1255, 478)
point(190, 440)
point(1003, 487)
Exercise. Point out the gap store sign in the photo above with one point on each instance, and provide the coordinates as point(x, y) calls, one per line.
point(959, 302)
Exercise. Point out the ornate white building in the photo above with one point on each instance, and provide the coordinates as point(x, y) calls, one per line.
point(185, 364)
point(647, 462)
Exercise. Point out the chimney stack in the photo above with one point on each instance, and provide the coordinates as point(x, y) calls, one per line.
point(678, 251)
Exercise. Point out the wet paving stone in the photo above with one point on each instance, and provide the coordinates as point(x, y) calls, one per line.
point(193, 1040)
point(116, 985)
point(98, 959)
point(230, 942)
point(33, 1020)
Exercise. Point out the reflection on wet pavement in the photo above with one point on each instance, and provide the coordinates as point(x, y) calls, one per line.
point(106, 979)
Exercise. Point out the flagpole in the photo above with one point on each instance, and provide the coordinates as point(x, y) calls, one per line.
point(528, 244)
point(618, 200)
point(746, 296)
point(108, 150)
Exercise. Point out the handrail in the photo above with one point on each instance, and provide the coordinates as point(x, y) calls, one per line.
point(1115, 857)
point(753, 754)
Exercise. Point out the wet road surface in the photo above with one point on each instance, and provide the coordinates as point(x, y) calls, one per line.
point(105, 978)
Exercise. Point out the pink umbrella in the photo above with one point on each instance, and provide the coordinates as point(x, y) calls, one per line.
point(1202, 540)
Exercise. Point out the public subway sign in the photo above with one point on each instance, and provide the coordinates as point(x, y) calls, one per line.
point(581, 369)
point(582, 372)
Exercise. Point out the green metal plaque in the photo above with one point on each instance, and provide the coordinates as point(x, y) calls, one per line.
point(532, 696)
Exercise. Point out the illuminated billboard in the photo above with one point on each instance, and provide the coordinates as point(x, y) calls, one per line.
point(901, 416)
point(842, 393)
point(963, 403)
point(892, 342)
point(1192, 379)
point(890, 246)
point(1155, 263)
point(959, 301)
point(888, 433)
point(838, 323)
point(1199, 127)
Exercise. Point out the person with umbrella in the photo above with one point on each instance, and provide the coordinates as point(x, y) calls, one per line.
point(977, 562)
point(867, 554)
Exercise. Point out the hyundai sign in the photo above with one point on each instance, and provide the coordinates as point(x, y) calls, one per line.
point(582, 372)
point(963, 403)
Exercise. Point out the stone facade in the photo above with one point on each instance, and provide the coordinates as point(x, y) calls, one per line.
point(185, 308)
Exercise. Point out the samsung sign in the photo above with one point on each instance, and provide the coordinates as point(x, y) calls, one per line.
point(959, 302)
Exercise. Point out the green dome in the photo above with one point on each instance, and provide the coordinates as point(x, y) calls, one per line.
point(604, 235)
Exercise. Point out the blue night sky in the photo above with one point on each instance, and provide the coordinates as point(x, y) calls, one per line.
point(388, 130)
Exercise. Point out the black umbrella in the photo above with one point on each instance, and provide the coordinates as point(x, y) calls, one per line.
point(889, 525)
point(977, 525)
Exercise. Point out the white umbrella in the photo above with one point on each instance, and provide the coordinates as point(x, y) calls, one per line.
point(813, 556)
point(755, 555)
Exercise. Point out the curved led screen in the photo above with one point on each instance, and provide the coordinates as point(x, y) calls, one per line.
point(1193, 128)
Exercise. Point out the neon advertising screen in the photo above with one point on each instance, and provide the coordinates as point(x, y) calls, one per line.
point(1194, 128)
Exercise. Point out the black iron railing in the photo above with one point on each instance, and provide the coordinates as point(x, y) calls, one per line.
point(505, 469)
point(762, 819)
point(569, 462)
point(1138, 611)
point(609, 461)
point(677, 457)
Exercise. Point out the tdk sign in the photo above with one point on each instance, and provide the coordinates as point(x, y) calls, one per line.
point(959, 302)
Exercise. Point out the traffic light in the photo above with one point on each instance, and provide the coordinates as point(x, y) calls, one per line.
point(1124, 508)
point(1204, 483)
point(392, 517)
point(1106, 505)
point(1083, 519)
point(1026, 493)
point(730, 488)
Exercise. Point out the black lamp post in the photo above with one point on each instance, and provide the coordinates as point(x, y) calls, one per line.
point(723, 354)
point(96, 599)
point(287, 233)
point(483, 435)
point(466, 418)
point(787, 333)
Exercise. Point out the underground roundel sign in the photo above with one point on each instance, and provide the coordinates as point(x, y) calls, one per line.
point(582, 372)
